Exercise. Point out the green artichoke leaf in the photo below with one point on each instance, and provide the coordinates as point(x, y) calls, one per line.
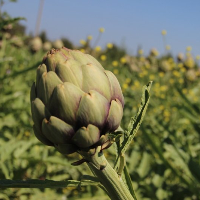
point(114, 116)
point(33, 92)
point(57, 131)
point(70, 73)
point(39, 135)
point(93, 109)
point(115, 87)
point(46, 86)
point(66, 148)
point(39, 112)
point(40, 70)
point(63, 105)
point(86, 137)
point(95, 79)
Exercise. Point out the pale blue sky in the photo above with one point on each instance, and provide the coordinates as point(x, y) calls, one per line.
point(128, 22)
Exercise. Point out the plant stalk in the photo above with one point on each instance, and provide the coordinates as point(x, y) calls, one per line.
point(116, 188)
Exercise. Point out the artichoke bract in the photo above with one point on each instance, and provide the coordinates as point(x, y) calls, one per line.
point(75, 102)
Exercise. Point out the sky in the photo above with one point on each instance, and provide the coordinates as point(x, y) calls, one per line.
point(128, 23)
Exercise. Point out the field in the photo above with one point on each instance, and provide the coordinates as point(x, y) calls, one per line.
point(164, 158)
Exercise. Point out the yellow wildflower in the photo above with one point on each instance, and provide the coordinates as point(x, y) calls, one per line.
point(89, 37)
point(128, 80)
point(125, 86)
point(103, 57)
point(189, 48)
point(176, 73)
point(183, 69)
point(140, 52)
point(116, 71)
point(83, 42)
point(161, 74)
point(171, 80)
point(142, 58)
point(161, 107)
point(163, 32)
point(136, 83)
point(184, 91)
point(166, 113)
point(123, 60)
point(115, 63)
point(198, 57)
point(27, 133)
point(109, 45)
point(101, 30)
point(168, 47)
point(152, 77)
point(181, 80)
point(82, 50)
point(163, 88)
point(97, 48)
point(180, 65)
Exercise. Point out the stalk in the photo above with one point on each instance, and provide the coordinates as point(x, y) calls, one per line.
point(116, 188)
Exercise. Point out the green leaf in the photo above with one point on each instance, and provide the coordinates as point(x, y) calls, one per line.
point(135, 122)
point(34, 183)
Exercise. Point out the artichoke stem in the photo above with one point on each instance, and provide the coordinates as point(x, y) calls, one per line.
point(116, 188)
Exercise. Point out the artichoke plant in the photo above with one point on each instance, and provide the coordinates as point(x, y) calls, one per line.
point(75, 102)
point(76, 106)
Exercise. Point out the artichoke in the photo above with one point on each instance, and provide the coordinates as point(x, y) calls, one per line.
point(75, 102)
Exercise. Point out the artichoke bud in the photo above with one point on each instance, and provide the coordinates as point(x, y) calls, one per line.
point(75, 103)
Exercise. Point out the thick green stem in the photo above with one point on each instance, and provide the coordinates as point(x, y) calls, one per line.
point(108, 177)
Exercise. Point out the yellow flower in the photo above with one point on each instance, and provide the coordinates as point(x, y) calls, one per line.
point(163, 88)
point(198, 57)
point(109, 45)
point(123, 60)
point(189, 48)
point(128, 80)
point(103, 57)
point(136, 83)
point(152, 77)
point(181, 80)
point(83, 42)
point(161, 74)
point(161, 107)
point(184, 91)
point(97, 48)
point(116, 71)
point(125, 86)
point(82, 50)
point(27, 133)
point(180, 65)
point(142, 58)
point(168, 47)
point(115, 63)
point(145, 72)
point(147, 65)
point(140, 51)
point(166, 113)
point(183, 69)
point(157, 85)
point(89, 37)
point(163, 32)
point(171, 80)
point(195, 99)
point(176, 73)
point(101, 30)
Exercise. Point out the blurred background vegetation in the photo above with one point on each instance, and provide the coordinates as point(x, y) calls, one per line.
point(164, 159)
